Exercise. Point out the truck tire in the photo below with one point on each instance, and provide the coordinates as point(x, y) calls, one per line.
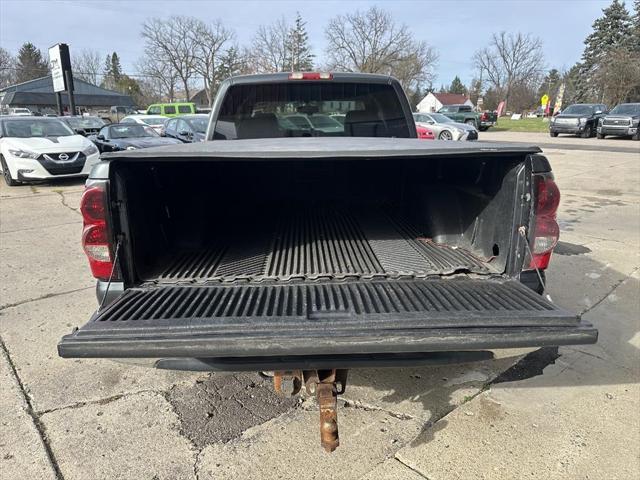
point(599, 136)
point(636, 137)
point(471, 122)
point(483, 129)
point(588, 132)
point(553, 134)
point(7, 174)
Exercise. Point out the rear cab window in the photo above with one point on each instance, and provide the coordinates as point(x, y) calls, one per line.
point(303, 109)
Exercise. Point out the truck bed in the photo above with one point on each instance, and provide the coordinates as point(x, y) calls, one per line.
point(317, 243)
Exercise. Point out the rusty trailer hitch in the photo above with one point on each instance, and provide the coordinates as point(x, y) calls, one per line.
point(326, 385)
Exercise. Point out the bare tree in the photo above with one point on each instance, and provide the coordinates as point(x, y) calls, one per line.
point(170, 42)
point(7, 68)
point(371, 41)
point(162, 78)
point(87, 65)
point(209, 42)
point(270, 47)
point(510, 60)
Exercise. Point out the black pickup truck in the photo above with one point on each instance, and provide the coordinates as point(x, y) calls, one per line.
point(272, 248)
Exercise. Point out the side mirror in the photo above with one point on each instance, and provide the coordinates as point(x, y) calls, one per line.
point(186, 133)
point(80, 131)
point(100, 137)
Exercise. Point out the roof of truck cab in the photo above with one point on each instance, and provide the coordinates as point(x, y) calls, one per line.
point(322, 147)
point(281, 77)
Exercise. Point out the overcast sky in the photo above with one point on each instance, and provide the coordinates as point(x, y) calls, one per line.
point(455, 28)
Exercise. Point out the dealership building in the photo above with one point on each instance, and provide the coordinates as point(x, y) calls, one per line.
point(38, 96)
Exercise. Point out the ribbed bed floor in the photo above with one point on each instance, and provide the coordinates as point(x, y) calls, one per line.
point(322, 243)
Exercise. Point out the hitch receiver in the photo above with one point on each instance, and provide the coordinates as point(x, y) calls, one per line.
point(326, 385)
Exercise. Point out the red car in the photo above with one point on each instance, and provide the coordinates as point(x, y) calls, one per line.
point(424, 133)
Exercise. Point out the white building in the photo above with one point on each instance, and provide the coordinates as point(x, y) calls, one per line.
point(435, 101)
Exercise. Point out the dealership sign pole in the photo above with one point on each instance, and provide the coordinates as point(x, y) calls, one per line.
point(60, 64)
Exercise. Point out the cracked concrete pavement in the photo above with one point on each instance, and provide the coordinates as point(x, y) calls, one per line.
point(566, 413)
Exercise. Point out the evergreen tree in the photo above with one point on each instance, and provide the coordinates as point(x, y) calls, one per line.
point(30, 63)
point(116, 68)
point(112, 72)
point(457, 86)
point(550, 84)
point(443, 89)
point(611, 31)
point(635, 37)
point(300, 56)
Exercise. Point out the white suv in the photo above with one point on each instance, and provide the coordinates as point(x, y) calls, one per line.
point(39, 148)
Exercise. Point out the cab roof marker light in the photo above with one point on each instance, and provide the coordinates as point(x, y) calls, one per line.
point(310, 76)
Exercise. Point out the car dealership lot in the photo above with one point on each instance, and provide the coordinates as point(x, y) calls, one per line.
point(99, 419)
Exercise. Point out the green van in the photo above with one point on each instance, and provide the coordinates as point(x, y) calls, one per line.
point(171, 109)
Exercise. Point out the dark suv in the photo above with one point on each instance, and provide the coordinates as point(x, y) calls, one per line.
point(578, 119)
point(622, 121)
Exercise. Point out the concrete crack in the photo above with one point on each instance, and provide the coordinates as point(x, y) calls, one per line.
point(611, 290)
point(30, 411)
point(364, 406)
point(100, 401)
point(63, 199)
point(48, 295)
point(196, 468)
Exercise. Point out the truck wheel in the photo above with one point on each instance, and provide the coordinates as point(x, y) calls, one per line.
point(471, 122)
point(636, 137)
point(553, 134)
point(483, 129)
point(599, 136)
point(445, 135)
point(588, 132)
point(7, 174)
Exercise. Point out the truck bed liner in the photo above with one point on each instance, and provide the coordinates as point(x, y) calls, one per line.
point(320, 243)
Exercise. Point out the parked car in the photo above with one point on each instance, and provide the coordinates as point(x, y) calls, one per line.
point(116, 113)
point(622, 121)
point(128, 136)
point(19, 112)
point(187, 128)
point(316, 122)
point(461, 114)
point(40, 148)
point(444, 128)
point(308, 256)
point(83, 124)
point(578, 119)
point(425, 133)
point(172, 109)
point(487, 119)
point(156, 122)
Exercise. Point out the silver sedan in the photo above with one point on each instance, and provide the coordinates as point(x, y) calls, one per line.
point(444, 128)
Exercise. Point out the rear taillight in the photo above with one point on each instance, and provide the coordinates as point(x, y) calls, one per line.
point(546, 230)
point(95, 234)
point(484, 116)
point(310, 76)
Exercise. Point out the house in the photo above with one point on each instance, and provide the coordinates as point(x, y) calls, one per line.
point(38, 96)
point(435, 101)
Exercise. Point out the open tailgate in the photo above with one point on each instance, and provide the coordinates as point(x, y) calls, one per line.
point(358, 317)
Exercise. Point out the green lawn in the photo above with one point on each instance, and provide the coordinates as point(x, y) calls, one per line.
point(505, 124)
